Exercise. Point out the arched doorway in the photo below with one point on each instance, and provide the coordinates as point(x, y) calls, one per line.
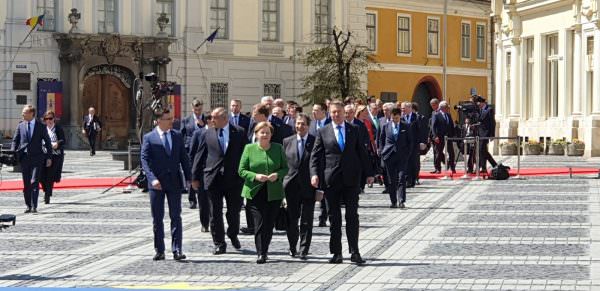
point(426, 90)
point(111, 98)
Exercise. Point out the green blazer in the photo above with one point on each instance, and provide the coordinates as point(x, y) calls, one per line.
point(254, 161)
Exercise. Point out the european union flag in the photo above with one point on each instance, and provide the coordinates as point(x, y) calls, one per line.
point(213, 35)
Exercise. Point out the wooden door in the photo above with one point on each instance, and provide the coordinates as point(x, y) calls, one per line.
point(112, 100)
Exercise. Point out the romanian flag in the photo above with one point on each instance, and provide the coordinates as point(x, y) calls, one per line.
point(34, 21)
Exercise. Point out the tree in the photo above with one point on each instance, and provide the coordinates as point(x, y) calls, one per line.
point(336, 69)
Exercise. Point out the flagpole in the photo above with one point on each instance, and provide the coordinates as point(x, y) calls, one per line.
point(19, 48)
point(206, 39)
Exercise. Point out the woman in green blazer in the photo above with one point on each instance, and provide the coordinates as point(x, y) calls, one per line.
point(263, 167)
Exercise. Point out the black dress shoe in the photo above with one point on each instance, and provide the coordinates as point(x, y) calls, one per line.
point(204, 229)
point(303, 256)
point(394, 205)
point(322, 223)
point(159, 257)
point(28, 210)
point(219, 251)
point(245, 230)
point(336, 259)
point(46, 199)
point(34, 210)
point(261, 259)
point(385, 191)
point(178, 256)
point(293, 253)
point(435, 172)
point(193, 205)
point(402, 206)
point(235, 242)
point(357, 259)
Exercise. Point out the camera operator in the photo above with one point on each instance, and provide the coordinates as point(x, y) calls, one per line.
point(469, 129)
point(487, 127)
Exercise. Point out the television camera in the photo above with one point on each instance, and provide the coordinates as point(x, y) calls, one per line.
point(160, 90)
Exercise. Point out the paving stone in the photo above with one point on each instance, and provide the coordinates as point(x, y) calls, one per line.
point(534, 197)
point(30, 244)
point(144, 215)
point(544, 188)
point(511, 218)
point(129, 204)
point(524, 272)
point(529, 207)
point(515, 232)
point(12, 264)
point(73, 228)
point(480, 249)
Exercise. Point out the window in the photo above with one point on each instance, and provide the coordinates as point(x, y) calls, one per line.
point(403, 34)
point(552, 74)
point(107, 16)
point(322, 25)
point(270, 25)
point(48, 9)
point(273, 90)
point(21, 99)
point(590, 72)
point(219, 14)
point(433, 37)
point(529, 77)
point(219, 94)
point(371, 32)
point(465, 41)
point(165, 6)
point(480, 41)
point(22, 81)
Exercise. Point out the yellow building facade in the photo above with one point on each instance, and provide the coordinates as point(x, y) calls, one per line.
point(407, 42)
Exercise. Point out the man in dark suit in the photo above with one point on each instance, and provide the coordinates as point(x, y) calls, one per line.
point(396, 152)
point(300, 195)
point(387, 118)
point(217, 162)
point(320, 119)
point(422, 136)
point(349, 113)
point(91, 126)
point(290, 117)
point(189, 125)
point(487, 128)
point(236, 117)
point(411, 119)
point(435, 108)
point(27, 143)
point(163, 156)
point(201, 195)
point(337, 156)
point(443, 126)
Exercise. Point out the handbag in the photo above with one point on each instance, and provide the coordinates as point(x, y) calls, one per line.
point(282, 219)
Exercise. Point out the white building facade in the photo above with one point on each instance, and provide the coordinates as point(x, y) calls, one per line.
point(254, 53)
point(547, 67)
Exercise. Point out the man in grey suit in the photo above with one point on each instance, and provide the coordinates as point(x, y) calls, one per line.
point(189, 125)
point(336, 164)
point(27, 143)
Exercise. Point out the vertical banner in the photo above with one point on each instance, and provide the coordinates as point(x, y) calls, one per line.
point(49, 96)
point(175, 102)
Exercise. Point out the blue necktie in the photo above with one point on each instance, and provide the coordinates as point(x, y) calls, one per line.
point(221, 140)
point(300, 149)
point(167, 144)
point(29, 131)
point(340, 137)
point(395, 131)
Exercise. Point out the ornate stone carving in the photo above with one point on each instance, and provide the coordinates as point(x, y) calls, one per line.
point(588, 9)
point(111, 47)
point(74, 17)
point(121, 73)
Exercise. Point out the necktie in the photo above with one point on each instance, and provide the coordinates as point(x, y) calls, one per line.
point(29, 131)
point(236, 119)
point(318, 124)
point(446, 116)
point(221, 140)
point(341, 142)
point(300, 149)
point(167, 143)
point(395, 131)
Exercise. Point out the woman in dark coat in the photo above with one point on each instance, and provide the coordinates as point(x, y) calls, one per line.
point(52, 174)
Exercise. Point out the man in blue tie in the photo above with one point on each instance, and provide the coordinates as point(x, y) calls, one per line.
point(236, 117)
point(395, 153)
point(29, 141)
point(336, 164)
point(163, 155)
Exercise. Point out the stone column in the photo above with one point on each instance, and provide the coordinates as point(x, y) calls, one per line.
point(577, 71)
point(515, 59)
point(564, 72)
point(499, 77)
point(596, 84)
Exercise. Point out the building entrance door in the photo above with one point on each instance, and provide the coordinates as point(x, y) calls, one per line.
point(112, 102)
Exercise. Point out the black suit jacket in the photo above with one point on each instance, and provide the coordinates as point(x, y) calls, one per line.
point(188, 127)
point(312, 129)
point(334, 167)
point(487, 127)
point(89, 126)
point(243, 121)
point(211, 162)
point(440, 128)
point(21, 143)
point(280, 131)
point(298, 176)
point(399, 149)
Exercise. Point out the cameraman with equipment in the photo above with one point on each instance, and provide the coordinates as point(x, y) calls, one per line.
point(487, 127)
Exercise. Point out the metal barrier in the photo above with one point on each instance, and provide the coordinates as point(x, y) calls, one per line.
point(130, 148)
point(476, 141)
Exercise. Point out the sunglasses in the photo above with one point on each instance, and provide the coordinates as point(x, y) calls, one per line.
point(48, 118)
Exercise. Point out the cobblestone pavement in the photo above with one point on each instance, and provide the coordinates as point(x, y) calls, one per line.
point(533, 234)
